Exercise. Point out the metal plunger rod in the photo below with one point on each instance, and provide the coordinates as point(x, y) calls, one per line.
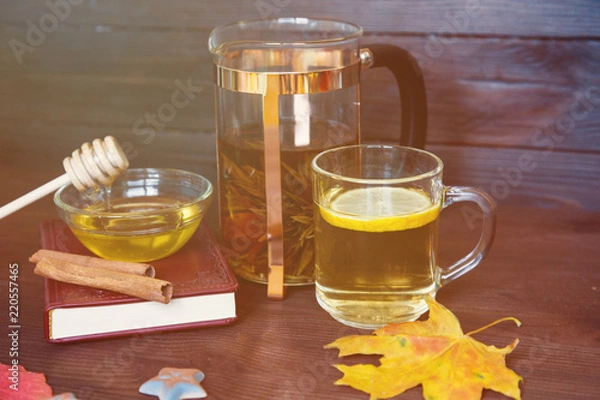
point(91, 165)
point(275, 278)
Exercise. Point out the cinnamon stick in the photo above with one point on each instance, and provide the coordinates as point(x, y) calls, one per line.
point(133, 285)
point(96, 262)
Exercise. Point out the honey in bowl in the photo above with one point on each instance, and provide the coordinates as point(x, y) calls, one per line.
point(145, 215)
point(158, 235)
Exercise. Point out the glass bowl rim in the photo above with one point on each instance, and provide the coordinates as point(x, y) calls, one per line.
point(203, 197)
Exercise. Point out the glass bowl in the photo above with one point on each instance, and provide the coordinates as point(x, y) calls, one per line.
point(146, 214)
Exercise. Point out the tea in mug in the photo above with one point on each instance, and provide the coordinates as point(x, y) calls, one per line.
point(376, 258)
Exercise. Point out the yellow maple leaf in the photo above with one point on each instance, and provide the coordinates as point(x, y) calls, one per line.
point(435, 353)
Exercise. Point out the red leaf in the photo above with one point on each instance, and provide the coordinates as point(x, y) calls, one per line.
point(16, 383)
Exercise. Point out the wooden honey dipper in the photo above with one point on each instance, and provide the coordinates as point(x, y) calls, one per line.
point(98, 163)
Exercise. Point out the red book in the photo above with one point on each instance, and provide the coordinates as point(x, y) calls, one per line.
point(203, 293)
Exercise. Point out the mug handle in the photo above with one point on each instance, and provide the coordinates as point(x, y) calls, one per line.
point(456, 194)
point(411, 86)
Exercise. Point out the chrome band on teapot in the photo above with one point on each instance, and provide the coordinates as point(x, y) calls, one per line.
point(288, 83)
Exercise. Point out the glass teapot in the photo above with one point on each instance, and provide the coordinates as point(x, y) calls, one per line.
point(287, 89)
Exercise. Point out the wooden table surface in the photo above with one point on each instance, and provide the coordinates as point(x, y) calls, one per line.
point(514, 108)
point(543, 270)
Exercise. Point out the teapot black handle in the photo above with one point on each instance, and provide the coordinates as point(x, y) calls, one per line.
point(411, 87)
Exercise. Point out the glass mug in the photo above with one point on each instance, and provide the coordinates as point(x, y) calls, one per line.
point(285, 90)
point(376, 232)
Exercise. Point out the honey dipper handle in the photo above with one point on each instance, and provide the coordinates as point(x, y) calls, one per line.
point(98, 163)
point(34, 195)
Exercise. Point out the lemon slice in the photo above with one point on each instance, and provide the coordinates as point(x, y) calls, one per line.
point(379, 209)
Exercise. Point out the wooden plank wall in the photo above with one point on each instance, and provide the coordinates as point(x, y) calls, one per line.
point(513, 86)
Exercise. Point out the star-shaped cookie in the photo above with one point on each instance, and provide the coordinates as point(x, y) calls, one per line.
point(175, 384)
